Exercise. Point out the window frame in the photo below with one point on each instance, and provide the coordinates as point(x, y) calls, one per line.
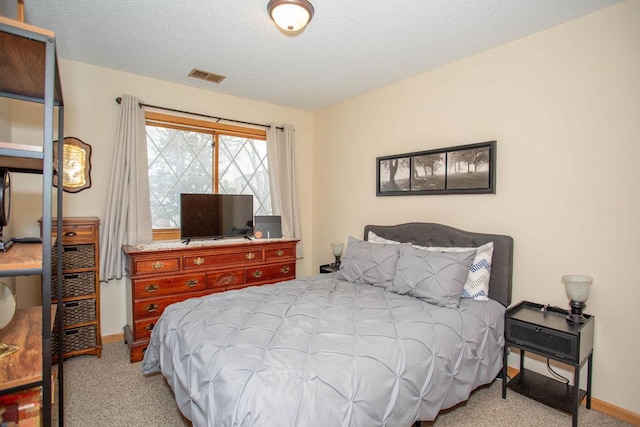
point(184, 123)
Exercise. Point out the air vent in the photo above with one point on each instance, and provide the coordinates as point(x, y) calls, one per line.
point(204, 75)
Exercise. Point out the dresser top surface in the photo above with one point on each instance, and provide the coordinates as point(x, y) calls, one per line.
point(170, 245)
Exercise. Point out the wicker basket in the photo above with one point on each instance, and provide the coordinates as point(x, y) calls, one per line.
point(75, 284)
point(75, 339)
point(74, 256)
point(80, 311)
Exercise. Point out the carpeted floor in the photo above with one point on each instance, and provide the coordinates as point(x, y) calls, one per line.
point(112, 392)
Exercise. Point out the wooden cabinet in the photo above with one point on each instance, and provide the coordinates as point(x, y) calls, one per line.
point(164, 273)
point(80, 286)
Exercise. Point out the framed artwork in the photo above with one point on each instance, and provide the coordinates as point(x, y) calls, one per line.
point(76, 165)
point(462, 169)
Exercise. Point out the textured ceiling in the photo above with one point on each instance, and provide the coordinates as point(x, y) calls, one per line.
point(350, 47)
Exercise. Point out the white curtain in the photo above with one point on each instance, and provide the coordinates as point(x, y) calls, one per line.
point(282, 178)
point(128, 216)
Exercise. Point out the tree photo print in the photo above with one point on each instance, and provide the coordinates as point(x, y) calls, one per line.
point(455, 170)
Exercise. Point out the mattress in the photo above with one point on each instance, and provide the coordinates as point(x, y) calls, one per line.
point(321, 351)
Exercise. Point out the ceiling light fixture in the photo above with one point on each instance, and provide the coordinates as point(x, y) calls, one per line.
point(290, 15)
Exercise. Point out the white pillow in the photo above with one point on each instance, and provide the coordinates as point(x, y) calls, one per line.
point(477, 284)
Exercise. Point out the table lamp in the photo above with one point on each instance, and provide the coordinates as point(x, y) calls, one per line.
point(577, 287)
point(336, 247)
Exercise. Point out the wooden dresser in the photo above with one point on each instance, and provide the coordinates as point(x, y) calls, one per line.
point(80, 286)
point(163, 273)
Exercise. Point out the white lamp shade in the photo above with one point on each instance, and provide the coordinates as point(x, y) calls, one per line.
point(291, 16)
point(336, 247)
point(577, 286)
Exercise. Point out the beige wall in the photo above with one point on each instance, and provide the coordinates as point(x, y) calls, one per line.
point(91, 115)
point(564, 106)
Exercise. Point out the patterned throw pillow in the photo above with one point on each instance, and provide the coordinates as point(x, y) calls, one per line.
point(477, 284)
point(434, 277)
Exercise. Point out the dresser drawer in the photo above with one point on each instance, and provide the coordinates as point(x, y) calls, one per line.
point(219, 260)
point(77, 233)
point(271, 273)
point(153, 307)
point(157, 265)
point(225, 279)
point(538, 338)
point(280, 253)
point(142, 328)
point(169, 285)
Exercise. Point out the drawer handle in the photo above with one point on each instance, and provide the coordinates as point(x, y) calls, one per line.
point(149, 327)
point(285, 269)
point(71, 304)
point(151, 308)
point(151, 288)
point(191, 283)
point(280, 252)
point(70, 234)
point(198, 261)
point(70, 276)
point(157, 265)
point(70, 248)
point(250, 256)
point(257, 274)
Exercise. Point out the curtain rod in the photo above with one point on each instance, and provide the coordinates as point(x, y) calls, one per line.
point(140, 104)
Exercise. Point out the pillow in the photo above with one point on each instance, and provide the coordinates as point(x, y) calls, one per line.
point(433, 277)
point(369, 263)
point(374, 238)
point(477, 284)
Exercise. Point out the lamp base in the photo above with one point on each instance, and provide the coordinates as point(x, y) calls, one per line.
point(337, 263)
point(576, 315)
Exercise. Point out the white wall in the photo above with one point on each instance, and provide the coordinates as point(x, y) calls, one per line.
point(564, 106)
point(91, 114)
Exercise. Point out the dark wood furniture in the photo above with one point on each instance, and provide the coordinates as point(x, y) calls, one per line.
point(80, 286)
point(164, 273)
point(328, 268)
point(29, 73)
point(545, 331)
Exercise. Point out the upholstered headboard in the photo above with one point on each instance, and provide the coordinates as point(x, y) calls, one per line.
point(430, 234)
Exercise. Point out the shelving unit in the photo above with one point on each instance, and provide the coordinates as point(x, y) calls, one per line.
point(29, 72)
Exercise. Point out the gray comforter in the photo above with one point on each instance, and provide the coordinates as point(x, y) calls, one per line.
point(323, 352)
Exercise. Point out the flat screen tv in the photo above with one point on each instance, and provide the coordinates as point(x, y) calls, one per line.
point(215, 216)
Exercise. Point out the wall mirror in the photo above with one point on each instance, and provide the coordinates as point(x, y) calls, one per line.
point(76, 165)
point(7, 310)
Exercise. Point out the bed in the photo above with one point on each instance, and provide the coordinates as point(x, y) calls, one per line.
point(387, 340)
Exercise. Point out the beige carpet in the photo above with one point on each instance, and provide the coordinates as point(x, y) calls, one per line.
point(112, 392)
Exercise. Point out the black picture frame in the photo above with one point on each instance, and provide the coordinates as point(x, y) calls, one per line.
point(463, 169)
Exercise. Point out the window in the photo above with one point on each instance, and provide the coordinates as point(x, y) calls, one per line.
point(197, 156)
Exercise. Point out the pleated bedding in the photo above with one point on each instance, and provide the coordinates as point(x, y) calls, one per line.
point(320, 351)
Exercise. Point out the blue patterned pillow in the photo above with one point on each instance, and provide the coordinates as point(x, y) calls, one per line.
point(432, 276)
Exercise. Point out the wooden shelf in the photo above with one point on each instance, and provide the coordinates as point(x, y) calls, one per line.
point(22, 258)
point(22, 158)
point(24, 56)
point(25, 365)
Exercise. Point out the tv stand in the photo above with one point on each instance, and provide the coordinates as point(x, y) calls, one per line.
point(163, 273)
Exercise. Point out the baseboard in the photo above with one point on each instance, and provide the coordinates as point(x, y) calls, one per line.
point(108, 339)
point(600, 406)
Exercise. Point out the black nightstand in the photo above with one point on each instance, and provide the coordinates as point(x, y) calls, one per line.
point(545, 331)
point(328, 268)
